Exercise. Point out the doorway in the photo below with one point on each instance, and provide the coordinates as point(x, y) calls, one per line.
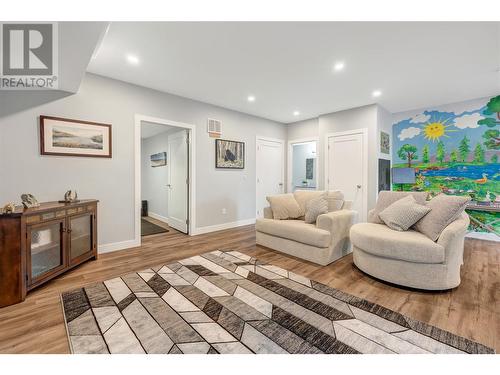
point(346, 167)
point(270, 171)
point(302, 165)
point(164, 177)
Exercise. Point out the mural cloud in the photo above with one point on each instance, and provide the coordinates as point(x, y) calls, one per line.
point(468, 121)
point(408, 133)
point(421, 117)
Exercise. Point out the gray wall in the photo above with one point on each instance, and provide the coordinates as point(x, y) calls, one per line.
point(154, 179)
point(112, 180)
point(303, 129)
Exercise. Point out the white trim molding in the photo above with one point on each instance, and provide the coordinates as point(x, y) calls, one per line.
point(158, 217)
point(483, 236)
point(217, 227)
point(289, 161)
point(137, 170)
point(115, 246)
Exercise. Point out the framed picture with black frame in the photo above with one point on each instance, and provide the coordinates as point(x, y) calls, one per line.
point(229, 154)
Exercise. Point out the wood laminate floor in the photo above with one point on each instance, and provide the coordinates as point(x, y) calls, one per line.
point(471, 310)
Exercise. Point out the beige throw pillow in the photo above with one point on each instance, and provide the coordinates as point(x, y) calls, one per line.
point(315, 207)
point(284, 206)
point(335, 200)
point(304, 196)
point(403, 213)
point(386, 198)
point(444, 210)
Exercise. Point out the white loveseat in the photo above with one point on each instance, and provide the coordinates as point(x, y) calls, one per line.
point(322, 242)
point(410, 258)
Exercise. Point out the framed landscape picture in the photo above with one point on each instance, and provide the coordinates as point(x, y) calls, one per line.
point(159, 159)
point(385, 143)
point(67, 137)
point(229, 154)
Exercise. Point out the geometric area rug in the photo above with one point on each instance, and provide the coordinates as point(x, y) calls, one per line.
point(227, 302)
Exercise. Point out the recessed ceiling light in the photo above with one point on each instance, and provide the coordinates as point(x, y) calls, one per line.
point(251, 98)
point(376, 93)
point(296, 113)
point(339, 66)
point(132, 59)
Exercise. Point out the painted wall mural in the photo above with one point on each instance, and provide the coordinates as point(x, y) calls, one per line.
point(455, 149)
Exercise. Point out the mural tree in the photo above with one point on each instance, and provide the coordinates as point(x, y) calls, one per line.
point(408, 152)
point(492, 108)
point(479, 153)
point(464, 149)
point(440, 152)
point(453, 156)
point(425, 154)
point(492, 139)
point(494, 159)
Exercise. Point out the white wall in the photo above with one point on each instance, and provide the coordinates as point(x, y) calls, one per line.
point(23, 169)
point(154, 180)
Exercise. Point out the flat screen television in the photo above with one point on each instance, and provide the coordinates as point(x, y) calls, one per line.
point(403, 175)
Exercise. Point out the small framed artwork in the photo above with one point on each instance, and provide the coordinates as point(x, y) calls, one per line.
point(385, 143)
point(229, 154)
point(159, 159)
point(67, 137)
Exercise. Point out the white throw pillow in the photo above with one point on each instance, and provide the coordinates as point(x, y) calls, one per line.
point(315, 207)
point(403, 213)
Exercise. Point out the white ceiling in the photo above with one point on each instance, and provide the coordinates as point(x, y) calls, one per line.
point(150, 129)
point(288, 66)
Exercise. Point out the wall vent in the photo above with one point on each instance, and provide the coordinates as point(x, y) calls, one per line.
point(214, 128)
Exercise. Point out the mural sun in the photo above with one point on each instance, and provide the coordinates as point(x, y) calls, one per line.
point(436, 129)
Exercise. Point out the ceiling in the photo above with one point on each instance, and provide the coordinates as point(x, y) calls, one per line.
point(150, 129)
point(288, 66)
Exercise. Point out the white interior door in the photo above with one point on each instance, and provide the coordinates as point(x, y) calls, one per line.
point(270, 171)
point(177, 187)
point(346, 168)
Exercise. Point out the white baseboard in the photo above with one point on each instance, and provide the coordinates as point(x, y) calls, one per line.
point(158, 217)
point(115, 246)
point(483, 236)
point(215, 228)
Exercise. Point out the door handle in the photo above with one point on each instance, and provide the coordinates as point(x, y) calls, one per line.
point(169, 186)
point(358, 186)
point(280, 184)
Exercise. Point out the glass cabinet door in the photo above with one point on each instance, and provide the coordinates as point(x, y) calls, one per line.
point(80, 236)
point(46, 249)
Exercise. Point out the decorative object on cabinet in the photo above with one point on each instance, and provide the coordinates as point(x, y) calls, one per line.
point(67, 137)
point(8, 208)
point(229, 154)
point(159, 159)
point(70, 197)
point(40, 243)
point(29, 201)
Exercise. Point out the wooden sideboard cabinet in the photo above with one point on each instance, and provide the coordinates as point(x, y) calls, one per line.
point(37, 244)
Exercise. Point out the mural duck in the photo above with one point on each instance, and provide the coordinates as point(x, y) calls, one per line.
point(482, 180)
